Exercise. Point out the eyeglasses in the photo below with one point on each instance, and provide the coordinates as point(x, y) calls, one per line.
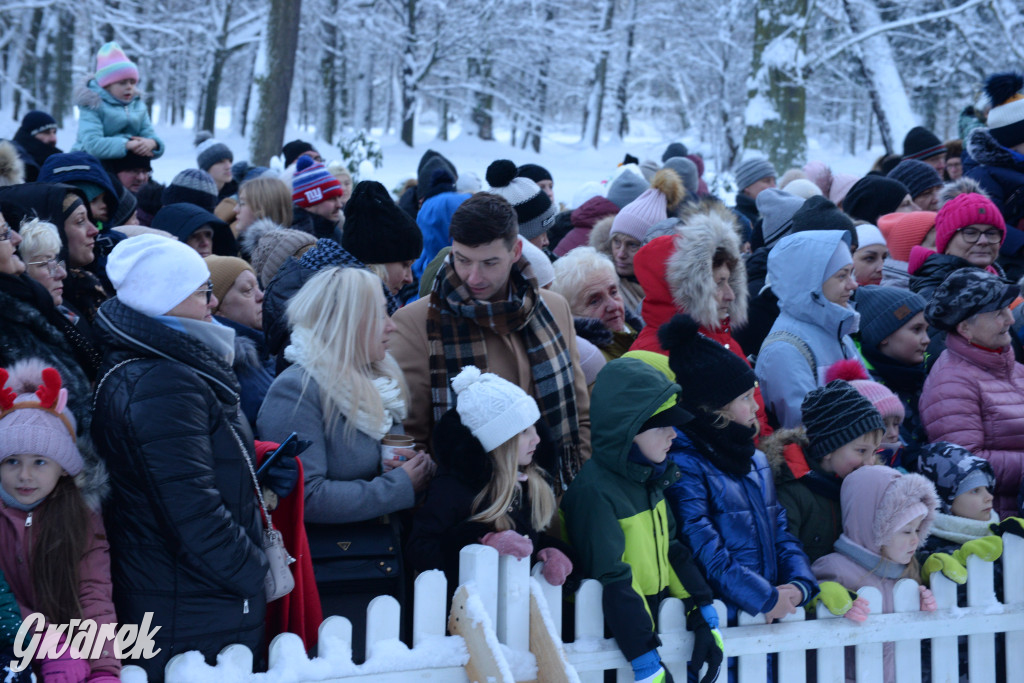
point(6, 234)
point(208, 290)
point(971, 235)
point(53, 266)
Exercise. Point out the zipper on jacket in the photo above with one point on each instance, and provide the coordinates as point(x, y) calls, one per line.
point(28, 520)
point(245, 606)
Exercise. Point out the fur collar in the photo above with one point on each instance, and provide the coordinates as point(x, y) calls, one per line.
point(600, 235)
point(774, 446)
point(707, 229)
point(984, 149)
point(959, 530)
point(12, 168)
point(595, 332)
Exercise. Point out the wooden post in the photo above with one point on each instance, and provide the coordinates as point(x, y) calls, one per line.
point(469, 619)
point(546, 646)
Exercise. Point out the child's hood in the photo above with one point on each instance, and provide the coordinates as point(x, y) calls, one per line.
point(627, 392)
point(877, 501)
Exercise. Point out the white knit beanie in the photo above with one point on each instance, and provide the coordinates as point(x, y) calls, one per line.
point(153, 274)
point(492, 408)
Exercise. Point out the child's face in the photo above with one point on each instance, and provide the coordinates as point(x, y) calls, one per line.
point(852, 456)
point(974, 504)
point(29, 478)
point(123, 90)
point(902, 546)
point(654, 443)
point(892, 430)
point(528, 441)
point(742, 409)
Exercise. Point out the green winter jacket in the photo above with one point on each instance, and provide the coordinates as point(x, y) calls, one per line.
point(10, 616)
point(616, 516)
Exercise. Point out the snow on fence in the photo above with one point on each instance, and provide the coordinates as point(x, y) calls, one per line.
point(505, 616)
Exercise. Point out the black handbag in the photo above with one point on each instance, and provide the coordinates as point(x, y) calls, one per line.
point(358, 556)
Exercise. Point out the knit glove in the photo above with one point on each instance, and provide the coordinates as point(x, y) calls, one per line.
point(509, 543)
point(65, 670)
point(556, 565)
point(1010, 525)
point(928, 603)
point(647, 668)
point(841, 601)
point(710, 615)
point(988, 548)
point(709, 649)
point(944, 562)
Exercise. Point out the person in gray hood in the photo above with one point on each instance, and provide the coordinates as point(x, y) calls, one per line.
point(812, 275)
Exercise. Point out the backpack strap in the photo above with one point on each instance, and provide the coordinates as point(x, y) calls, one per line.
point(800, 344)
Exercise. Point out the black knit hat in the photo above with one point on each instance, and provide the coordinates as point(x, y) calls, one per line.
point(534, 172)
point(918, 176)
point(376, 230)
point(967, 292)
point(183, 219)
point(129, 162)
point(294, 149)
point(675, 149)
point(210, 152)
point(818, 213)
point(836, 414)
point(711, 375)
point(36, 122)
point(192, 186)
point(921, 143)
point(873, 196)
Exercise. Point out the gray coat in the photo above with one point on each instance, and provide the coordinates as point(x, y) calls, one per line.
point(342, 477)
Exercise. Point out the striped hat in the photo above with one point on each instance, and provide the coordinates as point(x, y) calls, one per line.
point(836, 414)
point(112, 65)
point(312, 184)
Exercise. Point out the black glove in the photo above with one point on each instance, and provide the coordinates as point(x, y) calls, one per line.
point(1010, 525)
point(282, 474)
point(707, 649)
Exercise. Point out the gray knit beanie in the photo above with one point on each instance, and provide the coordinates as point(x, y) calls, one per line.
point(752, 170)
point(687, 171)
point(626, 188)
point(836, 414)
point(918, 176)
point(777, 209)
point(274, 248)
point(883, 310)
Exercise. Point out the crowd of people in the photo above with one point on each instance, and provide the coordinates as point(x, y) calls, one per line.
point(247, 400)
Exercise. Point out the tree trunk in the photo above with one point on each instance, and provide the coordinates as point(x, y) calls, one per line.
point(595, 103)
point(362, 100)
point(276, 84)
point(220, 55)
point(622, 92)
point(482, 116)
point(410, 86)
point(63, 78)
point(777, 103)
point(329, 76)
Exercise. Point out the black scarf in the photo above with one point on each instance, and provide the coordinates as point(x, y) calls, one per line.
point(729, 448)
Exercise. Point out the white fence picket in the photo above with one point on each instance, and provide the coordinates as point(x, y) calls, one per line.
point(552, 595)
point(868, 657)
point(831, 661)
point(981, 655)
point(383, 624)
point(906, 597)
point(513, 624)
point(430, 601)
point(792, 665)
point(1013, 593)
point(752, 668)
point(479, 564)
point(945, 658)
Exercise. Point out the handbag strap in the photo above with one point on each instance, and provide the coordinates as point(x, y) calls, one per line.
point(252, 471)
point(99, 387)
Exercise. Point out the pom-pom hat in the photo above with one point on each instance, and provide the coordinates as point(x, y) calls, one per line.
point(493, 409)
point(312, 184)
point(534, 210)
point(112, 65)
point(34, 418)
point(650, 207)
point(1006, 118)
point(881, 397)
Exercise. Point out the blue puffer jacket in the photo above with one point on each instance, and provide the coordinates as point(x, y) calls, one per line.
point(736, 529)
point(1000, 172)
point(105, 123)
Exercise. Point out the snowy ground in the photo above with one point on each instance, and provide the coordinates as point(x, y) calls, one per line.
point(571, 163)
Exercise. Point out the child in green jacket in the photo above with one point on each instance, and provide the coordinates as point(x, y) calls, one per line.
point(618, 521)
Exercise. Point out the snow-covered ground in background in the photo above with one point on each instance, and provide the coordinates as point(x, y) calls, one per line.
point(571, 163)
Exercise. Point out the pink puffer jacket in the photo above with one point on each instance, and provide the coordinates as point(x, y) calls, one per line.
point(975, 398)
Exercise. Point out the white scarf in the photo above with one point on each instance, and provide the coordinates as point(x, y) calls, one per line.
point(390, 392)
point(960, 529)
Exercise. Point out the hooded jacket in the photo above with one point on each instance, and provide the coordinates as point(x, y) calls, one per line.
point(583, 219)
point(81, 167)
point(105, 123)
point(796, 267)
point(1000, 172)
point(735, 527)
point(94, 586)
point(442, 526)
point(183, 521)
point(616, 516)
point(877, 502)
point(35, 152)
point(975, 398)
point(433, 219)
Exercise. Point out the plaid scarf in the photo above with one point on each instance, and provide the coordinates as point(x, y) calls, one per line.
point(327, 253)
point(455, 332)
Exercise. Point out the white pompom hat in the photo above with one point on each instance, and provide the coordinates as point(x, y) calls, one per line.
point(153, 274)
point(492, 408)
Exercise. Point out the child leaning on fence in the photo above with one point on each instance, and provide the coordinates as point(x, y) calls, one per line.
point(619, 524)
point(886, 517)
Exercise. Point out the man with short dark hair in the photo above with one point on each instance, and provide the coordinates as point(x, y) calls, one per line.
point(131, 169)
point(486, 310)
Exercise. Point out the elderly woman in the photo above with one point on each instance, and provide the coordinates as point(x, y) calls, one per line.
point(968, 233)
point(974, 395)
point(40, 250)
point(183, 518)
point(587, 279)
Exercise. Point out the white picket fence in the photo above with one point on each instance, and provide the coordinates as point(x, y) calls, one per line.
point(501, 591)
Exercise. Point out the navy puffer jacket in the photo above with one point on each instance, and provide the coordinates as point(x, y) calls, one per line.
point(736, 529)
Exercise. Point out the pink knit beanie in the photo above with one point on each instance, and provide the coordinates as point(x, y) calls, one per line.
point(650, 207)
point(34, 418)
point(112, 65)
point(963, 210)
point(880, 396)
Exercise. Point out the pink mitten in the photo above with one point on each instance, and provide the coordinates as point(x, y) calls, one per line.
point(65, 670)
point(859, 611)
point(928, 603)
point(509, 543)
point(556, 565)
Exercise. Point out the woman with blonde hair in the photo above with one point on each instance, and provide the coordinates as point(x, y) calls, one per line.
point(40, 250)
point(263, 197)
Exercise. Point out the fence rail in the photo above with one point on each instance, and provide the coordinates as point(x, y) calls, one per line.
point(509, 608)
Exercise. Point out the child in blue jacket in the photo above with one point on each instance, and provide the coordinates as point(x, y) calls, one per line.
point(113, 119)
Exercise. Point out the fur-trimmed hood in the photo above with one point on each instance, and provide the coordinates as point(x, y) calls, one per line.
point(12, 168)
point(688, 271)
point(877, 501)
point(252, 235)
point(89, 95)
point(963, 185)
point(461, 454)
point(600, 235)
point(984, 150)
point(776, 448)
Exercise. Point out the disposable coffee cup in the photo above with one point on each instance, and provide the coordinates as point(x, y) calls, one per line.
point(392, 442)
